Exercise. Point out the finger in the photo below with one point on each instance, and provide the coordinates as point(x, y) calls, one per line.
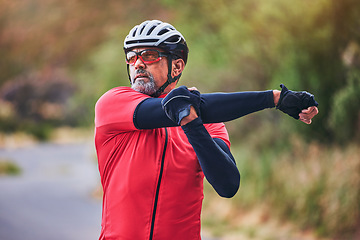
point(306, 116)
point(307, 110)
point(307, 121)
point(316, 110)
point(313, 112)
point(310, 110)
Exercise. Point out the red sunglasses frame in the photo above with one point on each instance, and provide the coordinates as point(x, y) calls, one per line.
point(139, 55)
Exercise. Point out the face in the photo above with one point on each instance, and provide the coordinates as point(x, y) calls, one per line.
point(147, 78)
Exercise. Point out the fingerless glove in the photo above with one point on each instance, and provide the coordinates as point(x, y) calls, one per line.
point(292, 103)
point(177, 103)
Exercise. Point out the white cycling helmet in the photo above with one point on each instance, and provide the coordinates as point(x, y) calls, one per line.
point(159, 34)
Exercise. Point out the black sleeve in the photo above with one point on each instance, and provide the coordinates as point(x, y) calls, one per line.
point(215, 158)
point(215, 107)
point(149, 115)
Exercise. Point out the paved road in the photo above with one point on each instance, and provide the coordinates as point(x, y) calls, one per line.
point(51, 199)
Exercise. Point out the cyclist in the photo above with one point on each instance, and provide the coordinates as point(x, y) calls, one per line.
point(155, 142)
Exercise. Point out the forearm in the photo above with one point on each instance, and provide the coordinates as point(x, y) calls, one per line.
point(223, 107)
point(215, 107)
point(215, 159)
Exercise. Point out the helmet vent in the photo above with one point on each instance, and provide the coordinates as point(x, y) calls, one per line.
point(174, 39)
point(142, 29)
point(151, 29)
point(142, 41)
point(163, 31)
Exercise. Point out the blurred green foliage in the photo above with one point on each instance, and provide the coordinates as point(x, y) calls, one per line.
point(316, 187)
point(345, 115)
point(8, 167)
point(234, 46)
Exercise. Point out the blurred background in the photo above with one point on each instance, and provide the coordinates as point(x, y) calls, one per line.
point(298, 181)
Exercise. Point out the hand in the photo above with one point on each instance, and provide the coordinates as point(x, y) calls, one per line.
point(193, 114)
point(307, 114)
point(293, 103)
point(179, 102)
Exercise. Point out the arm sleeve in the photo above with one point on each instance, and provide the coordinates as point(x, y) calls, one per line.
point(214, 108)
point(215, 158)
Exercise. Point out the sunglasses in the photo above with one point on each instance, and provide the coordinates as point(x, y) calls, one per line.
point(148, 56)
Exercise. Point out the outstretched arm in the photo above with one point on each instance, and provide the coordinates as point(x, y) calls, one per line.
point(214, 107)
point(223, 107)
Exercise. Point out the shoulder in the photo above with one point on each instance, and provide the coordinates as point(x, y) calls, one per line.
point(119, 92)
point(119, 96)
point(117, 105)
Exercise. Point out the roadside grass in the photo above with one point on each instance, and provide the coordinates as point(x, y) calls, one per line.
point(7, 167)
point(311, 188)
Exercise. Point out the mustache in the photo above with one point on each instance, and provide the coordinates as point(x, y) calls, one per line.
point(142, 71)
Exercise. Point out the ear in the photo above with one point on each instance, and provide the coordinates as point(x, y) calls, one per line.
point(178, 66)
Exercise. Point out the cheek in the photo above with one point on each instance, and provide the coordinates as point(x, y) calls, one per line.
point(131, 71)
point(160, 74)
point(161, 78)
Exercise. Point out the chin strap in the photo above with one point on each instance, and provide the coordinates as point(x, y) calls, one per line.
point(170, 79)
point(127, 69)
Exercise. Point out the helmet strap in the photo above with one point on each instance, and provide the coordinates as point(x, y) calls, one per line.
point(127, 69)
point(170, 79)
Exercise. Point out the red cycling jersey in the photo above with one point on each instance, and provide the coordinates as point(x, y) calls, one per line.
point(152, 180)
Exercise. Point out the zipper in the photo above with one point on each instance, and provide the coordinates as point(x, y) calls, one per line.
point(158, 186)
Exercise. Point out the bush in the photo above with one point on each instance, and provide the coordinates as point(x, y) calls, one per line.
point(8, 168)
point(316, 186)
point(345, 115)
point(36, 102)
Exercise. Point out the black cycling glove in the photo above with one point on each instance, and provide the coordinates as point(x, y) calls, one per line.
point(292, 103)
point(178, 102)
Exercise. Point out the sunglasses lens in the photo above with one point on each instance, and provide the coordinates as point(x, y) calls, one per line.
point(131, 57)
point(147, 56)
point(150, 56)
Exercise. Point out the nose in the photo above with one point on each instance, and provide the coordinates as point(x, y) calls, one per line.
point(139, 63)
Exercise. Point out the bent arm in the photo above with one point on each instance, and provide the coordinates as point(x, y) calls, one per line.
point(215, 159)
point(214, 107)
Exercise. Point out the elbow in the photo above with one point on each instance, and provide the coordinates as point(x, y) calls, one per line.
point(230, 189)
point(228, 194)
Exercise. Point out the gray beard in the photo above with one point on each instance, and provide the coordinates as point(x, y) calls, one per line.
point(148, 88)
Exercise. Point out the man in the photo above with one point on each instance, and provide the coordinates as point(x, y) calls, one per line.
point(156, 142)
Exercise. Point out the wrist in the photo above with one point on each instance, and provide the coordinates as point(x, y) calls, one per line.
point(276, 96)
point(193, 125)
point(192, 116)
